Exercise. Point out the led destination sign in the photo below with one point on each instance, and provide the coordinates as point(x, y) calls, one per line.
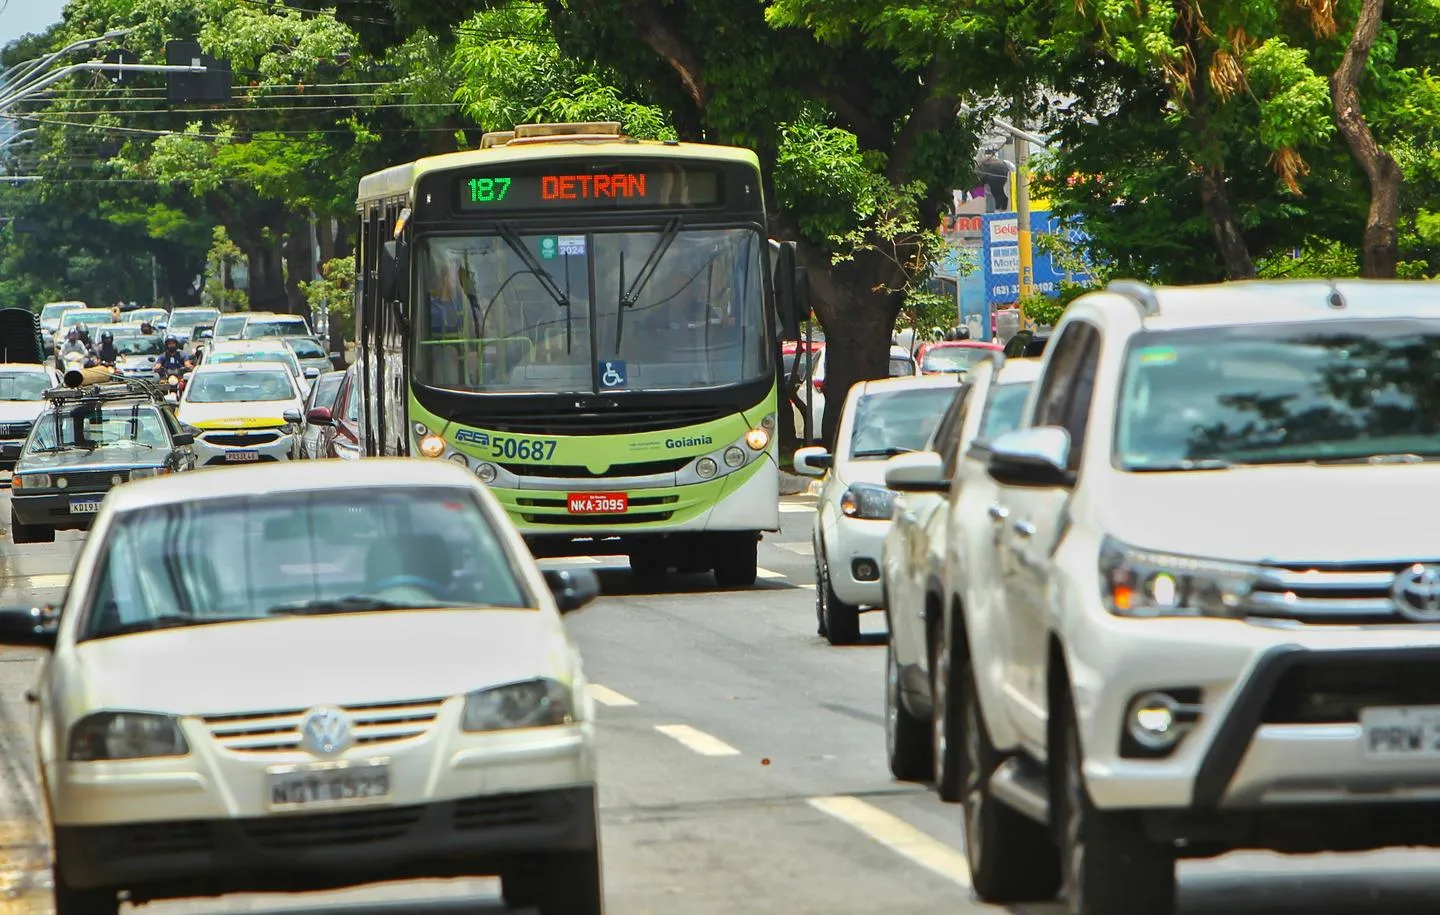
point(619, 189)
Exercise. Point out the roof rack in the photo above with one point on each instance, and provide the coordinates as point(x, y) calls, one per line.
point(104, 388)
point(1139, 292)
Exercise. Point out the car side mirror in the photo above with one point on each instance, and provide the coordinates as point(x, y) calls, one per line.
point(172, 400)
point(207, 335)
point(813, 461)
point(919, 471)
point(29, 627)
point(312, 372)
point(320, 416)
point(1035, 458)
point(572, 588)
point(292, 416)
point(182, 439)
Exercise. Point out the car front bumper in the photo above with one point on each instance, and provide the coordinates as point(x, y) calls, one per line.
point(215, 447)
point(471, 836)
point(852, 541)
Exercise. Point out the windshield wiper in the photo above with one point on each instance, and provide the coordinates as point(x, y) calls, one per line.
point(512, 238)
point(1402, 458)
point(628, 297)
point(1201, 464)
point(353, 604)
point(167, 621)
point(882, 452)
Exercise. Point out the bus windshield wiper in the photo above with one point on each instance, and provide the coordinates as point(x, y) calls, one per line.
point(512, 238)
point(628, 297)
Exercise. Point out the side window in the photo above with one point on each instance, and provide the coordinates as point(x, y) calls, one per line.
point(1053, 401)
point(1082, 391)
point(947, 434)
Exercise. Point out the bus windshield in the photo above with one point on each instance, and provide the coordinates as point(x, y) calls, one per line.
point(596, 321)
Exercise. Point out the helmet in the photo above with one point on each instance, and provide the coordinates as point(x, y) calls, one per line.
point(81, 329)
point(171, 339)
point(106, 337)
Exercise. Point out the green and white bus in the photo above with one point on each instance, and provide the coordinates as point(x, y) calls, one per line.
point(590, 323)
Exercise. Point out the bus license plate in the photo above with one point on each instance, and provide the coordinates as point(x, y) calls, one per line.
point(598, 503)
point(84, 506)
point(239, 457)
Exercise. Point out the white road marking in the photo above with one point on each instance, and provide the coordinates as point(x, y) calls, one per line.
point(767, 573)
point(606, 696)
point(36, 582)
point(898, 836)
point(793, 508)
point(574, 561)
point(698, 741)
point(801, 547)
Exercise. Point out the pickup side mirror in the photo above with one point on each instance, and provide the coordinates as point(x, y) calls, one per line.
point(28, 627)
point(572, 588)
point(320, 416)
point(1034, 458)
point(920, 471)
point(182, 439)
point(813, 461)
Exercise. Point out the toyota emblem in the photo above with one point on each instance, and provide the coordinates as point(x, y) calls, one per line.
point(1416, 593)
point(326, 732)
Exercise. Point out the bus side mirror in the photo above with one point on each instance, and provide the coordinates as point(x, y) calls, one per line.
point(787, 304)
point(394, 267)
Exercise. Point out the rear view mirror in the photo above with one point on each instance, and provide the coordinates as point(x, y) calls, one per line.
point(183, 438)
point(919, 471)
point(812, 461)
point(784, 277)
point(572, 588)
point(394, 267)
point(320, 416)
point(292, 416)
point(312, 372)
point(172, 399)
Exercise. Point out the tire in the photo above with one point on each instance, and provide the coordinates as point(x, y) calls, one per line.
point(946, 717)
point(29, 533)
point(649, 564)
point(907, 738)
point(1012, 858)
point(841, 621)
point(737, 562)
point(1109, 865)
point(573, 884)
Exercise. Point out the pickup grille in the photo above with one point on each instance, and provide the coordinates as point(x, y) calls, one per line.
point(1334, 593)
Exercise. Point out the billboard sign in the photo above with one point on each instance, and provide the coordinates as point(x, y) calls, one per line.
point(1000, 256)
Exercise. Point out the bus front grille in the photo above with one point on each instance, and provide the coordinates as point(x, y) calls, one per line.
point(557, 471)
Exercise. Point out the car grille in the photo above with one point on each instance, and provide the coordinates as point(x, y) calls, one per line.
point(1335, 593)
point(279, 732)
point(90, 479)
point(232, 439)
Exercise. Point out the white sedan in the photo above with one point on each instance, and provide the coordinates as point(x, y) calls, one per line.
point(313, 676)
point(880, 420)
point(245, 413)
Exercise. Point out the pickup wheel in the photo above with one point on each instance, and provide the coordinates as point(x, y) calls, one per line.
point(1012, 857)
point(907, 738)
point(841, 621)
point(29, 533)
point(946, 719)
point(1110, 866)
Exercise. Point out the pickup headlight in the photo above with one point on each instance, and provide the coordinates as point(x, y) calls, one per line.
point(126, 735)
point(868, 502)
point(532, 704)
point(1140, 583)
point(145, 473)
point(31, 481)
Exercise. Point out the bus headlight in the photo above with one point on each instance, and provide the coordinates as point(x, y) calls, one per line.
point(757, 439)
point(460, 459)
point(706, 468)
point(734, 457)
point(487, 473)
point(432, 446)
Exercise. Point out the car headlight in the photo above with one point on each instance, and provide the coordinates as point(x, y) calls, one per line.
point(31, 481)
point(126, 735)
point(868, 502)
point(532, 704)
point(1141, 583)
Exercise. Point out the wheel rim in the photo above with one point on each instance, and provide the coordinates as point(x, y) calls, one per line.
point(939, 700)
point(892, 703)
point(1074, 849)
point(974, 783)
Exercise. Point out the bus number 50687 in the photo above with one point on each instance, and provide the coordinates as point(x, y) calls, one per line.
point(523, 449)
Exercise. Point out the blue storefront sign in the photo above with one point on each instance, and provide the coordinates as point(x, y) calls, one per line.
point(1000, 256)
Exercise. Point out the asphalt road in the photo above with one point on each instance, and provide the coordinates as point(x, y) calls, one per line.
point(742, 773)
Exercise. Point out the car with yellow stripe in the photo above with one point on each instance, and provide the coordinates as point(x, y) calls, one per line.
point(243, 413)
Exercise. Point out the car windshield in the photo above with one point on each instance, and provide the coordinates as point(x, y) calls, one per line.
point(953, 358)
point(239, 387)
point(51, 313)
point(90, 427)
point(182, 320)
point(1002, 410)
point(23, 385)
point(229, 324)
point(144, 315)
point(894, 422)
point(257, 328)
point(322, 394)
point(140, 345)
point(89, 316)
point(490, 323)
point(278, 555)
point(1356, 390)
point(253, 355)
point(306, 348)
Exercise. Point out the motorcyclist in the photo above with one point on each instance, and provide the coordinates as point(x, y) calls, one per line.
point(74, 346)
point(172, 361)
point(106, 353)
point(84, 333)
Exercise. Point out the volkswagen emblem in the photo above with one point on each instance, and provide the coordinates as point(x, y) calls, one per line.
point(326, 732)
point(1416, 593)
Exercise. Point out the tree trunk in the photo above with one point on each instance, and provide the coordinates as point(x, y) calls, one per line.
point(267, 276)
point(1380, 246)
point(299, 264)
point(1224, 226)
point(858, 322)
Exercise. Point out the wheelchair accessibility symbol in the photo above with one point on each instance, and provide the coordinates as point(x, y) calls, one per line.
point(612, 375)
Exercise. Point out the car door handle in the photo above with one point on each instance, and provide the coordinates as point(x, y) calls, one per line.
point(1025, 528)
point(999, 512)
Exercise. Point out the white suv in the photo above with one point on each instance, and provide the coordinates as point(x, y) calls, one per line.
point(1217, 592)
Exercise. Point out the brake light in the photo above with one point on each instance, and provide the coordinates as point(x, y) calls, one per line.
point(819, 385)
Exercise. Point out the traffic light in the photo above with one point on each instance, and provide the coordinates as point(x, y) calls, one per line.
point(995, 175)
point(211, 86)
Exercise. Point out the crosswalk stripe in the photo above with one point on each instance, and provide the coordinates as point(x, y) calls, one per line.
point(898, 836)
